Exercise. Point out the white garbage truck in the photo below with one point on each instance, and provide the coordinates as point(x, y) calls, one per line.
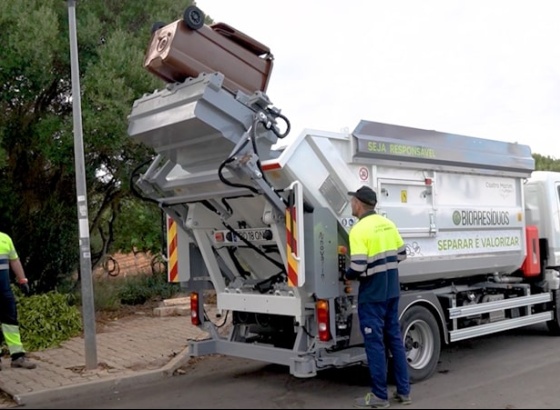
point(263, 219)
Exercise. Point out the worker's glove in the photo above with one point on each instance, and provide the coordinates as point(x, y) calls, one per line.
point(24, 287)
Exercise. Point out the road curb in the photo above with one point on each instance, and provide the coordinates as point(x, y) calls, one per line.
point(101, 386)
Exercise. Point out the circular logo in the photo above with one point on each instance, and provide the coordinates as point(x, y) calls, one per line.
point(457, 218)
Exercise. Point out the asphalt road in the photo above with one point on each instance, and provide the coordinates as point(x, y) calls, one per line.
point(517, 369)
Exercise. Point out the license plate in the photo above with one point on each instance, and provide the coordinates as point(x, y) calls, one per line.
point(251, 235)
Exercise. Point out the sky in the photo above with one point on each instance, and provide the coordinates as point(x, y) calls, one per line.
point(487, 69)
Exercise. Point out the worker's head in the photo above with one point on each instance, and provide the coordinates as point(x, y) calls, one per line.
point(363, 200)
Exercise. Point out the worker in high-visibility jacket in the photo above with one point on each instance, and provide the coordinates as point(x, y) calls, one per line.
point(376, 248)
point(8, 311)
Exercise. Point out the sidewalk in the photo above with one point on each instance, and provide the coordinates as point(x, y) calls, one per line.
point(130, 350)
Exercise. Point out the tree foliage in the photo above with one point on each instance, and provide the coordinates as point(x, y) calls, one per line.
point(546, 163)
point(38, 195)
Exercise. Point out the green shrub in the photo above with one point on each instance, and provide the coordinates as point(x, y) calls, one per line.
point(47, 320)
point(111, 294)
point(140, 289)
point(106, 295)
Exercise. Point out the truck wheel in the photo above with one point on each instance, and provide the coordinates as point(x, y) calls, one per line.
point(193, 17)
point(422, 342)
point(554, 324)
point(553, 327)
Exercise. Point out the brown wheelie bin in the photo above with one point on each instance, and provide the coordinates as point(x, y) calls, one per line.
point(188, 47)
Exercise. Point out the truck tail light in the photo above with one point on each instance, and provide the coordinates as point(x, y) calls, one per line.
point(532, 265)
point(323, 320)
point(195, 319)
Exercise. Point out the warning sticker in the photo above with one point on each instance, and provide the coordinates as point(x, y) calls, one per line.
point(348, 222)
point(404, 196)
point(364, 174)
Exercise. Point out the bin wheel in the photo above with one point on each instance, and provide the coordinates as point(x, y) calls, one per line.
point(157, 25)
point(193, 17)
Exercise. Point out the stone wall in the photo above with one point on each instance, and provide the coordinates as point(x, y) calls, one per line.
point(126, 264)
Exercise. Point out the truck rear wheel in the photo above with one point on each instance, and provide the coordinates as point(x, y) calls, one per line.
point(422, 342)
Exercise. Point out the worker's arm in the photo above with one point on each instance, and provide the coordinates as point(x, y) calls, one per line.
point(401, 249)
point(358, 256)
point(17, 268)
point(357, 267)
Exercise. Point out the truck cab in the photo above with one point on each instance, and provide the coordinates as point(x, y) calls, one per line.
point(542, 209)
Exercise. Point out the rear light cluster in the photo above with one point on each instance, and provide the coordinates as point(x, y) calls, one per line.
point(195, 318)
point(323, 321)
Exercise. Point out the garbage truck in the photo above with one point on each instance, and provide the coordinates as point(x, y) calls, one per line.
point(262, 218)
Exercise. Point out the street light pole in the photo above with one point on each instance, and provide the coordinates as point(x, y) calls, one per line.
point(88, 306)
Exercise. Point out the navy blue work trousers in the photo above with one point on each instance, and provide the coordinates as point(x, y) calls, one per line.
point(379, 323)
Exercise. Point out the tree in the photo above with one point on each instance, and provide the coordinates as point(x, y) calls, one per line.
point(38, 196)
point(546, 163)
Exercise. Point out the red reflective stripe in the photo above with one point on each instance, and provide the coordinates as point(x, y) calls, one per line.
point(272, 166)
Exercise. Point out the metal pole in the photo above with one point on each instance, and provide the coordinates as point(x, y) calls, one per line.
point(88, 306)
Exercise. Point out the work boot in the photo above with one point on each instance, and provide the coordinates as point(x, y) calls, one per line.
point(402, 398)
point(370, 401)
point(23, 363)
